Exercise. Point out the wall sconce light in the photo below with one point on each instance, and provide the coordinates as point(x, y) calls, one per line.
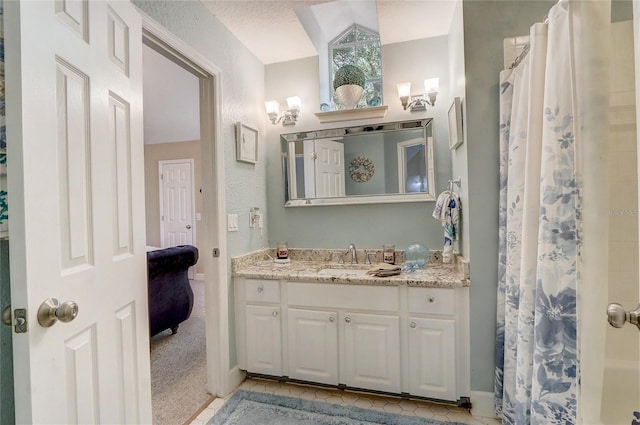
point(419, 102)
point(288, 116)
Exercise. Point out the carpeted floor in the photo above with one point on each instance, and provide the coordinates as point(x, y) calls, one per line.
point(251, 408)
point(179, 367)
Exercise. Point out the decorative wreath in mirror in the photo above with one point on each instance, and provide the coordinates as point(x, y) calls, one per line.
point(361, 169)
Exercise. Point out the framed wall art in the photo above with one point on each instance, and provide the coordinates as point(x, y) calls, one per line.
point(455, 124)
point(246, 143)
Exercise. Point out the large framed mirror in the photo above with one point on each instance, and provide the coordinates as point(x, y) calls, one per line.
point(381, 163)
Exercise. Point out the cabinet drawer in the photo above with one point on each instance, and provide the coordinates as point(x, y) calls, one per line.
point(336, 296)
point(263, 291)
point(432, 301)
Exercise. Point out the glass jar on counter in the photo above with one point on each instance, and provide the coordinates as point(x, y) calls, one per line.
point(389, 254)
point(282, 251)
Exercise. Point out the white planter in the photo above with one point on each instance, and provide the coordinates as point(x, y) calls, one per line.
point(349, 95)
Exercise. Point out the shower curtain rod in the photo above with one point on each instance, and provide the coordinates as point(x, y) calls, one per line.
point(521, 56)
point(526, 47)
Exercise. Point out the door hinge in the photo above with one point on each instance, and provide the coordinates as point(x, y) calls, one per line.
point(216, 252)
point(161, 176)
point(314, 155)
point(19, 319)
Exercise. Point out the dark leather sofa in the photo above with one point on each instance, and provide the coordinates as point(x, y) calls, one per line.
point(170, 294)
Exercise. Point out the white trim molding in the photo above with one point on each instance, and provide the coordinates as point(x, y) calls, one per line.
point(235, 378)
point(482, 402)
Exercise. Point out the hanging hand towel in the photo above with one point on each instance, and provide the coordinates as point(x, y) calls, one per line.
point(447, 210)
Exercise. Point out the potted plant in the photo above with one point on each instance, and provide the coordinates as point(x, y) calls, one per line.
point(348, 84)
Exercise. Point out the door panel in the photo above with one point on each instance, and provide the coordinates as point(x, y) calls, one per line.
point(264, 340)
point(75, 129)
point(313, 345)
point(432, 371)
point(119, 140)
point(74, 165)
point(371, 352)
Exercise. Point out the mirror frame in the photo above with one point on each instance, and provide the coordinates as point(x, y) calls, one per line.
point(426, 124)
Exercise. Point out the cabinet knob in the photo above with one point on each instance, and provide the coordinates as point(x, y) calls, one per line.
point(412, 325)
point(332, 319)
point(275, 313)
point(347, 319)
point(432, 299)
point(260, 288)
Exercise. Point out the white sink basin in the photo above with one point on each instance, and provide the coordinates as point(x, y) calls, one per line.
point(342, 272)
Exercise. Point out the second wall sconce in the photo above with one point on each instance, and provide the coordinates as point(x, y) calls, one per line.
point(288, 116)
point(419, 102)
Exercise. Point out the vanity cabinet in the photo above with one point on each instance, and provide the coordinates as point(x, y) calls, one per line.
point(395, 339)
point(262, 327)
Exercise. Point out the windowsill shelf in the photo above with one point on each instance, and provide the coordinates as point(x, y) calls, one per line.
point(352, 114)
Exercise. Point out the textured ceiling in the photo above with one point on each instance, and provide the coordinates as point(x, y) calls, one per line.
point(272, 31)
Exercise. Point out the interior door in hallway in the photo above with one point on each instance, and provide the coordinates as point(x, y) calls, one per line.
point(177, 202)
point(74, 133)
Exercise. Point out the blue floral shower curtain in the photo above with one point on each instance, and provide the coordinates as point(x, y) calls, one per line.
point(541, 234)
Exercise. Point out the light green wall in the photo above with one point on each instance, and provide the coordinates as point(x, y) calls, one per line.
point(368, 226)
point(621, 10)
point(486, 24)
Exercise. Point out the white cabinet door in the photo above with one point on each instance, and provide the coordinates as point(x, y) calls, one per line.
point(264, 340)
point(313, 346)
point(371, 352)
point(431, 358)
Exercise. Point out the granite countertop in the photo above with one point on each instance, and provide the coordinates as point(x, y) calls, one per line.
point(304, 266)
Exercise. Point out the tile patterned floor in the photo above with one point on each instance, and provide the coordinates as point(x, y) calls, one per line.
point(349, 398)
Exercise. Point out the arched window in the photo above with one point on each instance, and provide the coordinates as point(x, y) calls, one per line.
point(361, 47)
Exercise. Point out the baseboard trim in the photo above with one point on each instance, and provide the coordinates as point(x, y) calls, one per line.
point(482, 402)
point(199, 276)
point(235, 378)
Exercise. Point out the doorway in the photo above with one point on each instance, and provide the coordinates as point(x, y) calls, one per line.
point(208, 194)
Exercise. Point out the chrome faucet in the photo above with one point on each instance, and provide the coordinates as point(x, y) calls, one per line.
point(352, 250)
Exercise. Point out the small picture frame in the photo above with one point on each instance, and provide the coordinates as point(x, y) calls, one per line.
point(455, 124)
point(246, 143)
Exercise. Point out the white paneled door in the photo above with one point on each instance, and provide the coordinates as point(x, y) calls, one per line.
point(329, 169)
point(176, 202)
point(74, 130)
point(324, 170)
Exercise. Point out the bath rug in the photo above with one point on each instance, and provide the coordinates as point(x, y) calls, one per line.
point(253, 408)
